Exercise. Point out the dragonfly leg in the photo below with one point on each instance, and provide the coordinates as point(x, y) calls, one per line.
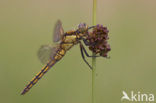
point(83, 57)
point(86, 42)
point(85, 51)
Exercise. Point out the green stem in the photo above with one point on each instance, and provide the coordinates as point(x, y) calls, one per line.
point(94, 59)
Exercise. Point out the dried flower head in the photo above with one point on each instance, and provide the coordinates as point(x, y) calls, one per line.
point(98, 40)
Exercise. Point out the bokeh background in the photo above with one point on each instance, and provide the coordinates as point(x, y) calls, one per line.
point(25, 25)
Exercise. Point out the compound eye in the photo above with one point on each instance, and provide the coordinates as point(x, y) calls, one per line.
point(82, 26)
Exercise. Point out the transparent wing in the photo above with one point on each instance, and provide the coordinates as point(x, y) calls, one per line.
point(58, 31)
point(46, 52)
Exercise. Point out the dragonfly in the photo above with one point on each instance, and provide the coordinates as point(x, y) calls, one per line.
point(50, 55)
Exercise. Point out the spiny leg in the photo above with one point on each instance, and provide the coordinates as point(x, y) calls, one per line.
point(82, 54)
point(85, 51)
point(83, 57)
point(86, 42)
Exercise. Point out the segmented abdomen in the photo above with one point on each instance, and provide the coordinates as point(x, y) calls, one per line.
point(61, 52)
point(38, 76)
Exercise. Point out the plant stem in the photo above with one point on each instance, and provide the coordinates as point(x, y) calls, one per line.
point(94, 59)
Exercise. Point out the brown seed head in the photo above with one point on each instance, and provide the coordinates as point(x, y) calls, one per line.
point(98, 40)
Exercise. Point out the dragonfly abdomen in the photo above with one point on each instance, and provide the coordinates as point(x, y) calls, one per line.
point(38, 76)
point(59, 54)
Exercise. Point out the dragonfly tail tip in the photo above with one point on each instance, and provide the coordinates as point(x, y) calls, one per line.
point(23, 92)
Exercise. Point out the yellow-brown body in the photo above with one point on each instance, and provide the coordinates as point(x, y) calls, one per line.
point(68, 40)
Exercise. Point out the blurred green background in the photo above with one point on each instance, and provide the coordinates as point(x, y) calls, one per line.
point(25, 25)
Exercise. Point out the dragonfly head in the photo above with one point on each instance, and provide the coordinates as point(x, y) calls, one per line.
point(82, 27)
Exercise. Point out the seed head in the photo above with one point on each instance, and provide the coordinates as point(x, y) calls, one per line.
point(98, 40)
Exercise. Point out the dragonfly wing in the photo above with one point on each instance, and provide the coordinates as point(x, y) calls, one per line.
point(46, 52)
point(58, 31)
